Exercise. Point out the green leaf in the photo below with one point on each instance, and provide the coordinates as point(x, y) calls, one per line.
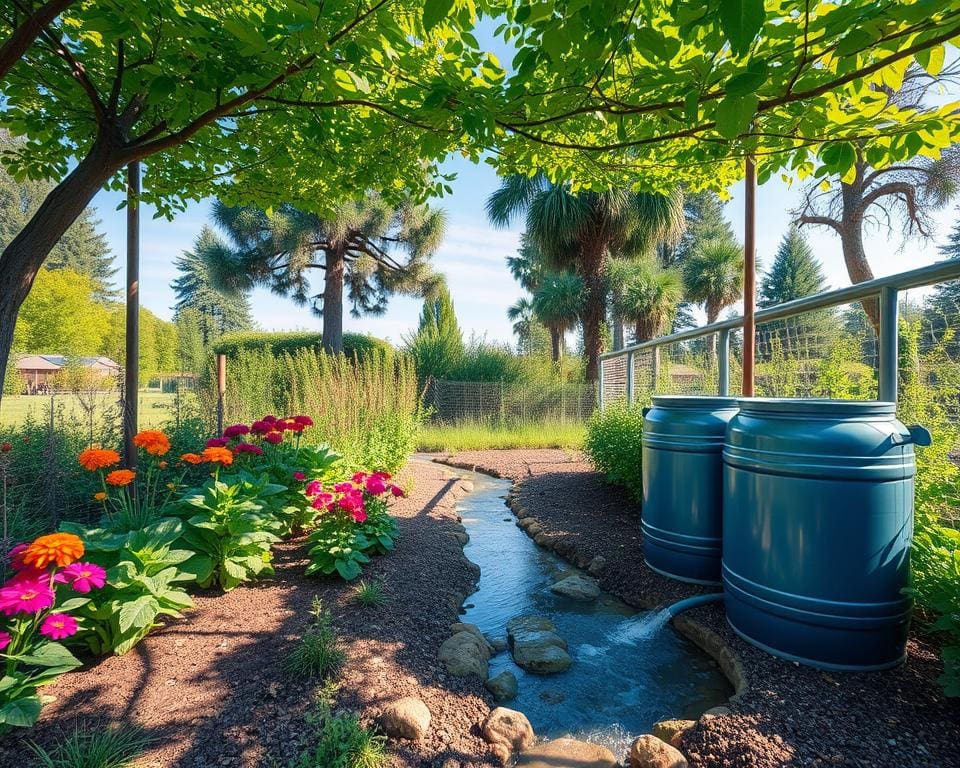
point(138, 613)
point(21, 713)
point(435, 11)
point(741, 21)
point(745, 82)
point(51, 655)
point(734, 114)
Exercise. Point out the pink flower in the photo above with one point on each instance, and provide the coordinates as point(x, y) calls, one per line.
point(58, 626)
point(322, 501)
point(397, 491)
point(4, 640)
point(359, 477)
point(16, 557)
point(299, 476)
point(359, 515)
point(26, 593)
point(294, 426)
point(375, 485)
point(217, 442)
point(273, 438)
point(270, 418)
point(256, 450)
point(304, 420)
point(261, 427)
point(352, 502)
point(313, 488)
point(82, 576)
point(344, 487)
point(235, 430)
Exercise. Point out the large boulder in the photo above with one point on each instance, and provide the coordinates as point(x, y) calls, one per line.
point(406, 718)
point(577, 587)
point(648, 751)
point(668, 730)
point(464, 654)
point(536, 646)
point(567, 753)
point(474, 630)
point(503, 686)
point(507, 731)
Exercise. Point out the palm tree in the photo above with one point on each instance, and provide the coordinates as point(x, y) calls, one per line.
point(713, 277)
point(582, 231)
point(370, 246)
point(523, 317)
point(647, 296)
point(558, 303)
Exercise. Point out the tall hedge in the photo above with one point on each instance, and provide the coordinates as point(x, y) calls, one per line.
point(277, 342)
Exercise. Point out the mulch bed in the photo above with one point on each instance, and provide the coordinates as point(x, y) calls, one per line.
point(211, 690)
point(789, 715)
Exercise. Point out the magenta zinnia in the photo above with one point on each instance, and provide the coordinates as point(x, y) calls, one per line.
point(4, 640)
point(58, 626)
point(26, 593)
point(83, 576)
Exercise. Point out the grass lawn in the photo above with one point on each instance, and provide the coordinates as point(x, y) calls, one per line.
point(154, 409)
point(477, 436)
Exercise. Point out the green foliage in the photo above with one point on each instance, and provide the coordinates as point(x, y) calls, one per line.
point(110, 747)
point(437, 346)
point(277, 342)
point(339, 741)
point(483, 436)
point(369, 594)
point(340, 545)
point(147, 571)
point(26, 672)
point(318, 655)
point(613, 445)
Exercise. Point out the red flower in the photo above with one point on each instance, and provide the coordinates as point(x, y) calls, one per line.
point(235, 430)
point(6, 447)
point(274, 438)
point(304, 420)
point(256, 450)
point(397, 491)
point(217, 442)
point(261, 427)
point(375, 485)
point(299, 476)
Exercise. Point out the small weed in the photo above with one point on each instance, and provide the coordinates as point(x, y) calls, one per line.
point(102, 748)
point(318, 654)
point(339, 741)
point(369, 594)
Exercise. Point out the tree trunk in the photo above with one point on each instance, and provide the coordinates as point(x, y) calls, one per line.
point(851, 239)
point(713, 312)
point(30, 28)
point(594, 309)
point(25, 254)
point(618, 340)
point(333, 300)
point(556, 343)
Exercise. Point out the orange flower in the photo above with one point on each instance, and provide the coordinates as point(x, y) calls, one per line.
point(121, 477)
point(153, 441)
point(59, 548)
point(100, 495)
point(217, 455)
point(162, 465)
point(98, 458)
point(191, 458)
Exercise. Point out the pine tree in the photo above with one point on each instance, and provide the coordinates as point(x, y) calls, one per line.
point(942, 309)
point(437, 347)
point(219, 310)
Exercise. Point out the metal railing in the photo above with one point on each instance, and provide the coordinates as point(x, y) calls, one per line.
point(885, 289)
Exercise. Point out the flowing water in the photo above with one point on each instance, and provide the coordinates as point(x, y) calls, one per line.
point(629, 669)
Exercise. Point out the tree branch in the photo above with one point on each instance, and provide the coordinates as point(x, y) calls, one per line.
point(32, 27)
point(820, 221)
point(117, 82)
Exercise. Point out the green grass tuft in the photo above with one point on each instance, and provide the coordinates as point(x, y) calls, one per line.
point(103, 748)
point(318, 654)
point(369, 594)
point(480, 436)
point(341, 742)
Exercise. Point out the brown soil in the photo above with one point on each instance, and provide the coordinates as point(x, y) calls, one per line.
point(789, 715)
point(211, 690)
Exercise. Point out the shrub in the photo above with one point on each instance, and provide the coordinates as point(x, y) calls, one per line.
point(277, 342)
point(100, 748)
point(613, 445)
point(318, 653)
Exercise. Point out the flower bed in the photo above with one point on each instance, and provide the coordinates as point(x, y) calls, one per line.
point(208, 519)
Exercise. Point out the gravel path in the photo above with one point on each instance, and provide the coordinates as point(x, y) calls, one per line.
point(789, 715)
point(210, 688)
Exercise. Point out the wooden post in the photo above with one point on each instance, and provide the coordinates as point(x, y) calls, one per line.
point(749, 274)
point(221, 391)
point(132, 368)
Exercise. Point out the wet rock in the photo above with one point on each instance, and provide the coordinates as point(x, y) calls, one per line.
point(541, 539)
point(503, 686)
point(464, 654)
point(536, 646)
point(717, 711)
point(553, 697)
point(563, 753)
point(668, 730)
point(499, 644)
point(507, 731)
point(577, 587)
point(474, 630)
point(462, 537)
point(533, 527)
point(406, 718)
point(596, 565)
point(650, 752)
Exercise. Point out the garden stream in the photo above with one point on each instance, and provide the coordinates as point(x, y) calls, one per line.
point(629, 668)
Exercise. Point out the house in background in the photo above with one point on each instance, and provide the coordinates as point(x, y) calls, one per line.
point(38, 371)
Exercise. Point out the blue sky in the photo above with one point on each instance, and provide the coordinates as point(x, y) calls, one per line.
point(473, 253)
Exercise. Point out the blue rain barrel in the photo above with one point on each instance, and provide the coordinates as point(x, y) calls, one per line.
point(682, 471)
point(817, 522)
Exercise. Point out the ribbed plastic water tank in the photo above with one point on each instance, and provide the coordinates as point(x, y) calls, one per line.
point(683, 439)
point(817, 522)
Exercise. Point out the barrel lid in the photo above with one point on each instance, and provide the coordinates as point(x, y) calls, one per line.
point(694, 401)
point(816, 406)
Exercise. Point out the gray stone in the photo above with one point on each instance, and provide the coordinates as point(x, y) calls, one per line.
point(474, 630)
point(717, 711)
point(528, 623)
point(542, 659)
point(596, 565)
point(577, 587)
point(503, 686)
point(465, 654)
point(650, 752)
point(553, 697)
point(406, 718)
point(462, 537)
point(536, 646)
point(567, 753)
point(498, 644)
point(507, 731)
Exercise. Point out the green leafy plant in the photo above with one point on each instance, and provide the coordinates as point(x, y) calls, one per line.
point(99, 748)
point(318, 654)
point(613, 444)
point(341, 742)
point(231, 528)
point(147, 572)
point(369, 594)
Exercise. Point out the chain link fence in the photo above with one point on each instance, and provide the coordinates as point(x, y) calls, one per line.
point(492, 402)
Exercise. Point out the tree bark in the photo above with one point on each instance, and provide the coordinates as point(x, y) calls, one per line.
point(556, 343)
point(618, 332)
point(23, 36)
point(594, 307)
point(851, 240)
point(25, 254)
point(333, 300)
